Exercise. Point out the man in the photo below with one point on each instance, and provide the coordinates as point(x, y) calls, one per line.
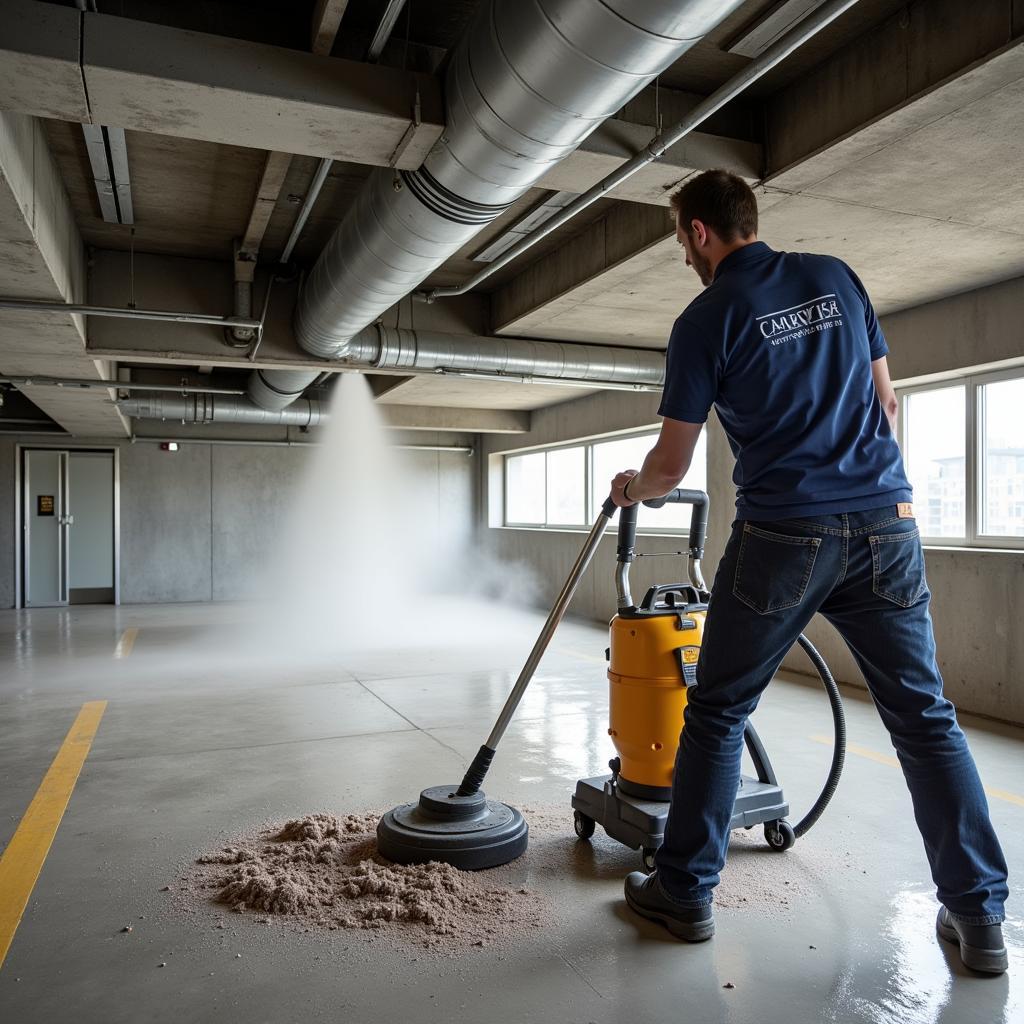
point(787, 348)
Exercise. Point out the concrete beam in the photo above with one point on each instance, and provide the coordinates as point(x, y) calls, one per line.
point(170, 81)
point(327, 15)
point(43, 258)
point(174, 82)
point(880, 75)
point(40, 72)
point(627, 230)
point(467, 421)
point(269, 188)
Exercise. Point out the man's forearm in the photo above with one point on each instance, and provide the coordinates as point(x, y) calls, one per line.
point(653, 481)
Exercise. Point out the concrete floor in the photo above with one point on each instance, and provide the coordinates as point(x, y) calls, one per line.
point(205, 735)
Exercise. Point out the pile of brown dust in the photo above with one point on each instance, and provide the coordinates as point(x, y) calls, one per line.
point(322, 873)
point(325, 871)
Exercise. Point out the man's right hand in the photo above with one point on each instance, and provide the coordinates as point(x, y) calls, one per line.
point(619, 486)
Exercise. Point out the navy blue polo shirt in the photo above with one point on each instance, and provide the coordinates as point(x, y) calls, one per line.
point(781, 344)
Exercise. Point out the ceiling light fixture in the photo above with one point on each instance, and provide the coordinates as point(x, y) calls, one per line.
point(108, 154)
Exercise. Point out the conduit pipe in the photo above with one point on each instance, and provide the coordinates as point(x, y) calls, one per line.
point(661, 143)
point(459, 449)
point(74, 383)
point(527, 83)
point(390, 348)
point(40, 306)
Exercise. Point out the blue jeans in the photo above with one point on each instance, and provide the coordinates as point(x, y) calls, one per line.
point(864, 571)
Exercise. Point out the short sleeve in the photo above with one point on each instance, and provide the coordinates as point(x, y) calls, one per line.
point(876, 339)
point(692, 374)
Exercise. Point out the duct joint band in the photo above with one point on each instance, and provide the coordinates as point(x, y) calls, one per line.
point(445, 203)
point(279, 391)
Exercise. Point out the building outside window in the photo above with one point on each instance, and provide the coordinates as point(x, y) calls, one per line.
point(963, 445)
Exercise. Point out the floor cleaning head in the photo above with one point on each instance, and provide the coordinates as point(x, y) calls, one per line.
point(468, 832)
point(458, 824)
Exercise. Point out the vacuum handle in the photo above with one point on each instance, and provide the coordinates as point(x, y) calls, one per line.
point(678, 496)
point(698, 520)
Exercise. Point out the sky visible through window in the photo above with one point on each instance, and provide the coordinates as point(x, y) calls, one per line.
point(935, 456)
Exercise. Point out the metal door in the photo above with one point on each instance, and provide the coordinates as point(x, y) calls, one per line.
point(90, 534)
point(45, 525)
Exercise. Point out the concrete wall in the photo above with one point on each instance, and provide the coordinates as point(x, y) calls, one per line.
point(196, 525)
point(981, 650)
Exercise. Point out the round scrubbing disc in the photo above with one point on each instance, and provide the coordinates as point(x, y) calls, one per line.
point(468, 832)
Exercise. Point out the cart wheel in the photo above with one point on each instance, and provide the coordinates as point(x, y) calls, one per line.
point(583, 825)
point(779, 834)
point(647, 856)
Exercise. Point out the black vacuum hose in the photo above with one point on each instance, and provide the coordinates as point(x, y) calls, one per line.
point(835, 701)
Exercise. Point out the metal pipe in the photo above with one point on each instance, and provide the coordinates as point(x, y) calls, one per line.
point(72, 382)
point(322, 170)
point(623, 596)
point(39, 306)
point(392, 9)
point(517, 360)
point(550, 625)
point(209, 409)
point(458, 449)
point(776, 53)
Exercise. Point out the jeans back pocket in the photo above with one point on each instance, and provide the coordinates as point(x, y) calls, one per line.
point(897, 567)
point(773, 569)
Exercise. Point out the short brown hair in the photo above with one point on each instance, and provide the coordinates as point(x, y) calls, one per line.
point(721, 200)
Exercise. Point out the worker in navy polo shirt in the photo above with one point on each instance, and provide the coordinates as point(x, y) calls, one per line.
point(787, 349)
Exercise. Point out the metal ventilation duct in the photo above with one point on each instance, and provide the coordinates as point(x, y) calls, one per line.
point(527, 83)
point(220, 409)
point(388, 348)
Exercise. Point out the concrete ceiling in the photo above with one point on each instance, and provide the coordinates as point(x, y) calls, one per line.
point(924, 202)
point(891, 140)
point(462, 393)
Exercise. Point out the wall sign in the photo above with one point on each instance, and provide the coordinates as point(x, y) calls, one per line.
point(44, 504)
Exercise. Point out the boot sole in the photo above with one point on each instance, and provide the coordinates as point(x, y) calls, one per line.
point(688, 932)
point(987, 961)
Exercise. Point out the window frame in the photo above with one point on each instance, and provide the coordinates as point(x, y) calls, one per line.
point(974, 458)
point(588, 445)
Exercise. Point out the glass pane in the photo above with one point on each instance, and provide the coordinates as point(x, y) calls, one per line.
point(611, 457)
point(935, 460)
point(524, 489)
point(1002, 446)
point(566, 485)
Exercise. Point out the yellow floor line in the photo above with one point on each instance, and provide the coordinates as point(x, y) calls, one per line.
point(874, 755)
point(25, 854)
point(126, 643)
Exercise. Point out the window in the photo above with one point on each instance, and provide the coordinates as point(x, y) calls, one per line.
point(566, 486)
point(963, 446)
point(935, 450)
